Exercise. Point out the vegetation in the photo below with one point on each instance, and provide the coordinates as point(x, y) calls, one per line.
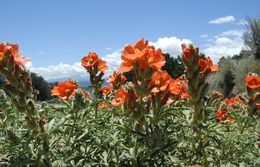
point(154, 120)
point(252, 37)
point(229, 80)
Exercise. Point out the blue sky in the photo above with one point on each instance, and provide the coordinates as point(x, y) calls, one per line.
point(56, 34)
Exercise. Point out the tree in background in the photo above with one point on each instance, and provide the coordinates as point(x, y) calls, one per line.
point(252, 36)
point(223, 80)
point(42, 86)
point(174, 66)
point(39, 84)
point(228, 83)
point(230, 79)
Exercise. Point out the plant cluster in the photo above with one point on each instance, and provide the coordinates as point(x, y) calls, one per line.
point(152, 120)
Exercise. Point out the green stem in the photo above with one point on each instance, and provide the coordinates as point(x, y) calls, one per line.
point(96, 109)
point(75, 115)
point(244, 125)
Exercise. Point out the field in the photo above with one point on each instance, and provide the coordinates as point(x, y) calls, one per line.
point(150, 119)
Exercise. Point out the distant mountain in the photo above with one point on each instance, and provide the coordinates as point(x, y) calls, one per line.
point(85, 84)
point(76, 78)
point(82, 83)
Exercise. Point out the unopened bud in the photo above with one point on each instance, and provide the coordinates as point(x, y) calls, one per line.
point(42, 122)
point(21, 94)
point(16, 72)
point(101, 75)
point(45, 146)
point(29, 122)
point(10, 89)
point(31, 106)
point(11, 60)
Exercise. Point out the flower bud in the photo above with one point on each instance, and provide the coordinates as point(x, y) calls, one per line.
point(31, 106)
point(42, 122)
point(17, 70)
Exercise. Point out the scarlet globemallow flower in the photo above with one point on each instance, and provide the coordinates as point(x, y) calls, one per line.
point(220, 116)
point(105, 90)
point(14, 50)
point(65, 90)
point(103, 105)
point(179, 87)
point(206, 65)
point(233, 101)
point(131, 54)
point(252, 81)
point(154, 59)
point(141, 55)
point(257, 105)
point(116, 79)
point(187, 51)
point(159, 81)
point(120, 97)
point(93, 61)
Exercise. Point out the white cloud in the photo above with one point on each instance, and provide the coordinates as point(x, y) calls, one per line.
point(74, 71)
point(225, 44)
point(60, 71)
point(222, 20)
point(204, 36)
point(113, 61)
point(171, 45)
point(235, 33)
point(242, 22)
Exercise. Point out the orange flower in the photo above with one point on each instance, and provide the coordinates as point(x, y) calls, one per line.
point(65, 90)
point(252, 82)
point(103, 105)
point(179, 87)
point(121, 97)
point(233, 101)
point(102, 65)
point(154, 59)
point(206, 65)
point(131, 54)
point(160, 81)
point(220, 116)
point(141, 55)
point(257, 105)
point(14, 50)
point(105, 90)
point(187, 51)
point(116, 79)
point(93, 61)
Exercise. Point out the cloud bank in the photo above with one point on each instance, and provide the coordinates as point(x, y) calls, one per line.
point(227, 43)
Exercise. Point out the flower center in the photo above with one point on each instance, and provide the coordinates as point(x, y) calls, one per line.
point(67, 91)
point(150, 60)
point(90, 60)
point(157, 83)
